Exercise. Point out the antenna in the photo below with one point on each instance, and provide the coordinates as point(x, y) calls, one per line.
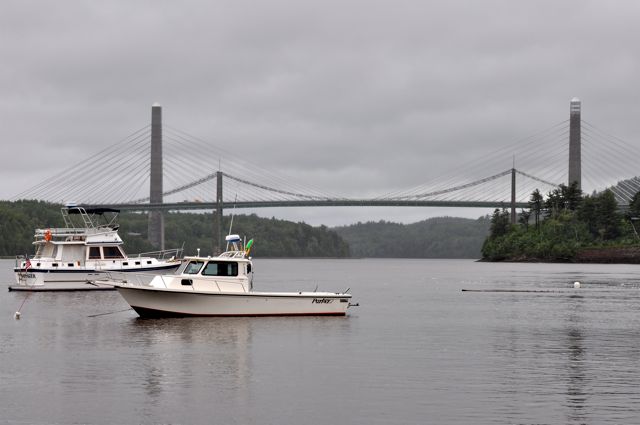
point(233, 213)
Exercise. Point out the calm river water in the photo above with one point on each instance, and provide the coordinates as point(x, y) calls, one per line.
point(417, 350)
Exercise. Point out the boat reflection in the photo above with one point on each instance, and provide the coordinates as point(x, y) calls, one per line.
point(191, 354)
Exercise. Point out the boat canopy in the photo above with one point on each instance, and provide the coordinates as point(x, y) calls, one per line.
point(76, 210)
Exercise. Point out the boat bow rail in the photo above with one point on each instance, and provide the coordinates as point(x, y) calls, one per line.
point(170, 254)
point(172, 282)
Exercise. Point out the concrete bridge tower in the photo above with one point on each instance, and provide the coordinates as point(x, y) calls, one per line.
point(574, 143)
point(156, 218)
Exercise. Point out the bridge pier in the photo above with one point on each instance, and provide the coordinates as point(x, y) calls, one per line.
point(217, 216)
point(513, 196)
point(575, 175)
point(156, 218)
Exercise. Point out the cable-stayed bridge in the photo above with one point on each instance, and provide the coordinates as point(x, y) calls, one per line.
point(185, 172)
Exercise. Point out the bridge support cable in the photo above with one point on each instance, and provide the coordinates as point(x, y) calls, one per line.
point(214, 176)
point(231, 164)
point(271, 189)
point(611, 162)
point(89, 180)
point(494, 187)
point(455, 188)
point(625, 190)
point(538, 151)
point(65, 184)
point(522, 173)
point(115, 178)
point(110, 177)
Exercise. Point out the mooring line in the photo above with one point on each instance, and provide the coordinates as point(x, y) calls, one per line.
point(18, 313)
point(111, 312)
point(511, 290)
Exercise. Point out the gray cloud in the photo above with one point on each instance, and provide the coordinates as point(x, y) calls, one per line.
point(355, 97)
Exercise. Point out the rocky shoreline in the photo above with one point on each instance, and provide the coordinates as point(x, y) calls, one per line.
point(619, 255)
point(625, 255)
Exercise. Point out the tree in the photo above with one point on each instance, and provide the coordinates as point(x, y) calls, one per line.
point(600, 214)
point(500, 224)
point(536, 203)
point(634, 206)
point(572, 196)
point(524, 218)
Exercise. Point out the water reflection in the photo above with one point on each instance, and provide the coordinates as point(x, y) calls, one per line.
point(540, 355)
point(576, 373)
point(195, 355)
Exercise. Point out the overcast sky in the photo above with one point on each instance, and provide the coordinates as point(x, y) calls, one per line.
point(356, 97)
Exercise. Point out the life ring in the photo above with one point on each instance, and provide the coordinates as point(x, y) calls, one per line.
point(47, 235)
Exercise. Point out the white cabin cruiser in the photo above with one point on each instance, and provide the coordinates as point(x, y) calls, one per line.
point(223, 286)
point(74, 257)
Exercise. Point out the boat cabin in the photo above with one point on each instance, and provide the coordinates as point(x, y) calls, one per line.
point(231, 271)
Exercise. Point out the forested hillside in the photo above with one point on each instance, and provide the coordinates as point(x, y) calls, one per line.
point(440, 237)
point(443, 237)
point(272, 237)
point(567, 226)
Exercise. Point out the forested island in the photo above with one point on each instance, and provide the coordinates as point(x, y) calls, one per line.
point(441, 237)
point(567, 226)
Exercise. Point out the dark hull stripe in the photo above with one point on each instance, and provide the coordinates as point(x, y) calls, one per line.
point(50, 289)
point(146, 269)
point(148, 313)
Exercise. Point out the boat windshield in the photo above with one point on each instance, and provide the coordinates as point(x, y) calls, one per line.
point(220, 268)
point(193, 267)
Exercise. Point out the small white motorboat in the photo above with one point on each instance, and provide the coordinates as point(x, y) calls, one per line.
point(74, 257)
point(223, 286)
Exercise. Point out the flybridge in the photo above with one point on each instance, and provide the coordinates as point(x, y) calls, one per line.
point(91, 217)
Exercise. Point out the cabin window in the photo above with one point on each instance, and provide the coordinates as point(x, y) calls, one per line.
point(111, 252)
point(125, 263)
point(54, 265)
point(148, 261)
point(248, 268)
point(94, 253)
point(69, 264)
point(193, 267)
point(137, 263)
point(220, 268)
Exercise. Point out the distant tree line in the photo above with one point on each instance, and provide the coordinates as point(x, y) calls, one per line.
point(557, 227)
point(439, 237)
point(272, 237)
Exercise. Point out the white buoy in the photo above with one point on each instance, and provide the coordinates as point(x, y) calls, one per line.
point(576, 285)
point(17, 315)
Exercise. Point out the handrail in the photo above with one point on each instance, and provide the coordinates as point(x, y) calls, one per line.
point(137, 279)
point(177, 252)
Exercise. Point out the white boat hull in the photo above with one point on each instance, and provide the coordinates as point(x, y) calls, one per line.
point(78, 280)
point(156, 302)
